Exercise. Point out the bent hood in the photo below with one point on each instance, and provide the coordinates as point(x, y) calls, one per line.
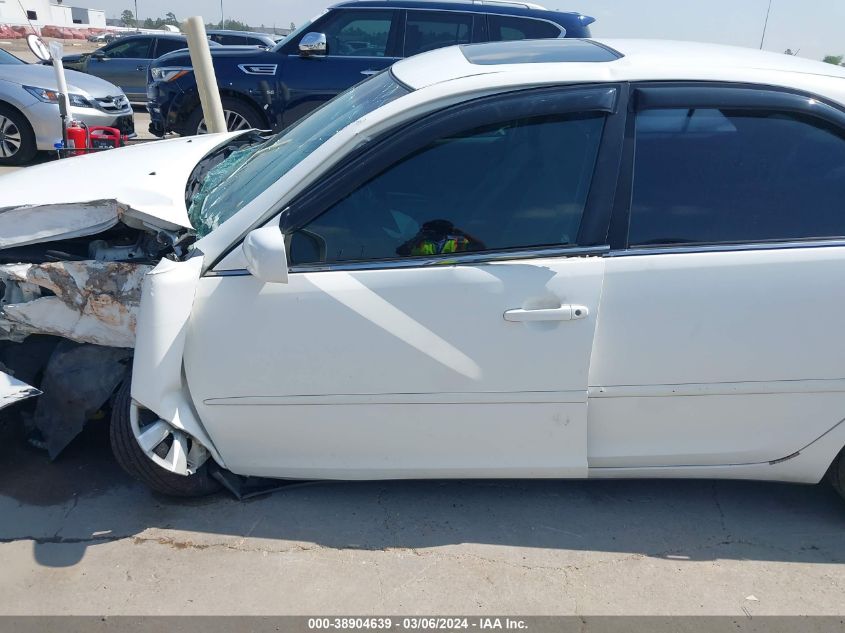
point(143, 186)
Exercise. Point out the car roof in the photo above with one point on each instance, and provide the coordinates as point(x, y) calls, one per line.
point(233, 32)
point(163, 34)
point(598, 60)
point(502, 8)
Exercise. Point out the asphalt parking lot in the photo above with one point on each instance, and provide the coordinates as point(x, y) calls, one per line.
point(79, 537)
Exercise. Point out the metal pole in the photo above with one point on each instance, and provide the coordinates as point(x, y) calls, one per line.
point(137, 21)
point(212, 106)
point(56, 52)
point(222, 16)
point(766, 25)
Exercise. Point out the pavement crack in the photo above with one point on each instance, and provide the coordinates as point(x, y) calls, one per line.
point(719, 508)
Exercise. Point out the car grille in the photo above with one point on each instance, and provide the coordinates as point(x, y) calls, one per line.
point(112, 105)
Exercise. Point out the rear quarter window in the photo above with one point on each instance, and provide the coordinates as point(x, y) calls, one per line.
point(506, 28)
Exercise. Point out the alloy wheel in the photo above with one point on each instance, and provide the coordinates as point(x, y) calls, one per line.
point(10, 137)
point(166, 446)
point(235, 122)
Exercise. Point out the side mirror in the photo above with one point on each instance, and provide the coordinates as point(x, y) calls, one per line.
point(266, 255)
point(98, 55)
point(313, 44)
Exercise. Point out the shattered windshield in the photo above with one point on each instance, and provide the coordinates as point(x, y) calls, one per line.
point(248, 172)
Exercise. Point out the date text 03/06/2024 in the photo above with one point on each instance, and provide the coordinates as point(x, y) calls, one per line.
point(417, 623)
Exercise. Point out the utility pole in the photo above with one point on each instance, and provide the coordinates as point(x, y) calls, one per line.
point(137, 21)
point(222, 16)
point(766, 24)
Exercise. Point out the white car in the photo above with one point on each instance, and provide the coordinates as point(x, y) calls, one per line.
point(551, 259)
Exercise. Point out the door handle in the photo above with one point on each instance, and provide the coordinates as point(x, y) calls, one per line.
point(140, 68)
point(563, 313)
point(367, 73)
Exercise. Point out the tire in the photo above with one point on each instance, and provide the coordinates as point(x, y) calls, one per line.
point(239, 116)
point(836, 474)
point(17, 140)
point(132, 459)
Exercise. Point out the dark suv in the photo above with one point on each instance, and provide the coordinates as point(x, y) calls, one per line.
point(270, 89)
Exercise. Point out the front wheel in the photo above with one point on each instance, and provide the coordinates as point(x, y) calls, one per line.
point(17, 140)
point(836, 474)
point(239, 117)
point(152, 451)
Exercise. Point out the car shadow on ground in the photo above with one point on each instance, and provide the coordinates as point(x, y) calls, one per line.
point(84, 499)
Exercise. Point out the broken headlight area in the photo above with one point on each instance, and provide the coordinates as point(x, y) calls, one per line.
point(70, 291)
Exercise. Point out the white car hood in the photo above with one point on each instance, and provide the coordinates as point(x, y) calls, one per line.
point(141, 186)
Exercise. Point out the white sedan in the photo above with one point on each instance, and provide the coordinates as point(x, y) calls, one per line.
point(558, 259)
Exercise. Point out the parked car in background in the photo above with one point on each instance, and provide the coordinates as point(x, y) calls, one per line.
point(549, 259)
point(125, 62)
point(29, 107)
point(351, 41)
point(241, 38)
point(104, 38)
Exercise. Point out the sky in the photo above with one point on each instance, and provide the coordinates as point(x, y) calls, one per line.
point(814, 27)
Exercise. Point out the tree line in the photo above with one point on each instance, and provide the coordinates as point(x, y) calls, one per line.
point(169, 19)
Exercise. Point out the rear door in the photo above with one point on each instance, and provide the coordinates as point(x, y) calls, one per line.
point(361, 42)
point(720, 339)
point(442, 303)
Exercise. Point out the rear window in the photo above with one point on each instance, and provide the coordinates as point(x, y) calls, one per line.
point(228, 40)
point(428, 30)
point(710, 176)
point(505, 28)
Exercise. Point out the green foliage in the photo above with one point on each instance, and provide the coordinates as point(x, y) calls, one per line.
point(128, 18)
point(836, 60)
point(231, 25)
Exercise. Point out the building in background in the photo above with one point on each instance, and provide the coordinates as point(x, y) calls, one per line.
point(49, 13)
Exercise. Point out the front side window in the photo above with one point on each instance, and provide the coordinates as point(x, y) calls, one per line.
point(138, 48)
point(505, 28)
point(428, 30)
point(708, 176)
point(518, 184)
point(358, 33)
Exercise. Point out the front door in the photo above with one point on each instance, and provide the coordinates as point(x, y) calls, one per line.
point(439, 317)
point(360, 44)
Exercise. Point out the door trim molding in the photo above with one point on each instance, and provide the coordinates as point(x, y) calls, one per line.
point(835, 385)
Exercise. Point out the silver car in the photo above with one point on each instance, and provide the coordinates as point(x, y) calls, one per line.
point(29, 110)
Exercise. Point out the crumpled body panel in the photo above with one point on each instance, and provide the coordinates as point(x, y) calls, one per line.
point(86, 302)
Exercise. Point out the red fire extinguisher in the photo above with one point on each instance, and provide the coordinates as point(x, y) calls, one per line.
point(77, 139)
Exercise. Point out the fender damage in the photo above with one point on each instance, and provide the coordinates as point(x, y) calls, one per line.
point(78, 239)
point(71, 278)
